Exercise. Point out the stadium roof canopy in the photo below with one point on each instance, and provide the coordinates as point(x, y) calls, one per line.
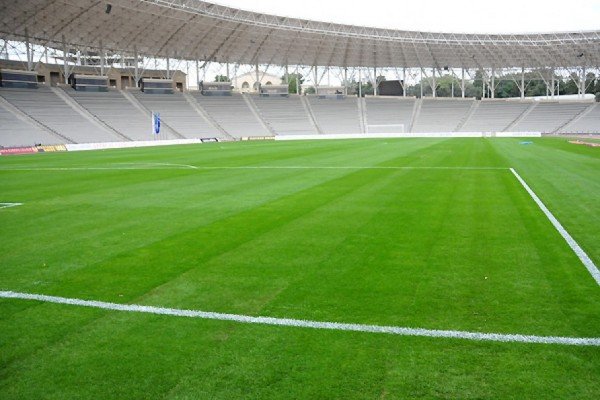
point(198, 30)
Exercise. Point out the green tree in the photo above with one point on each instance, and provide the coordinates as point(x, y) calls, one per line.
point(590, 83)
point(293, 78)
point(222, 78)
point(569, 86)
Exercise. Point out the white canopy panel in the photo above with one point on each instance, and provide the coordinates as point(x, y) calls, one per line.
point(198, 30)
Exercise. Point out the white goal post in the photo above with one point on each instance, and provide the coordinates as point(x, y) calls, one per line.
point(389, 128)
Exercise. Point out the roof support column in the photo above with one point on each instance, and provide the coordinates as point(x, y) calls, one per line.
point(227, 69)
point(29, 51)
point(235, 73)
point(136, 67)
point(198, 74)
point(404, 87)
point(65, 62)
point(582, 82)
point(434, 86)
point(316, 80)
point(287, 75)
point(553, 83)
point(359, 82)
point(375, 87)
point(522, 83)
point(168, 67)
point(462, 83)
point(346, 81)
point(297, 81)
point(257, 84)
point(102, 59)
point(483, 88)
point(421, 84)
point(493, 83)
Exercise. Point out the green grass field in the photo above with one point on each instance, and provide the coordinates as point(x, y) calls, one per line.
point(462, 248)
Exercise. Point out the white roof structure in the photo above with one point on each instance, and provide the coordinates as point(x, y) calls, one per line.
point(199, 30)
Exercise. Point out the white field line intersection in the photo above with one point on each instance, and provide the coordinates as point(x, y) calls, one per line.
point(297, 323)
point(585, 259)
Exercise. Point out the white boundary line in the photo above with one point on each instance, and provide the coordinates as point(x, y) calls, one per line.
point(9, 205)
point(146, 167)
point(159, 165)
point(585, 259)
point(296, 323)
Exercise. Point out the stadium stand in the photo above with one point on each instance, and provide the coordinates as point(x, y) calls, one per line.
point(16, 132)
point(285, 115)
point(232, 114)
point(178, 114)
point(441, 115)
point(46, 107)
point(494, 115)
point(63, 115)
point(336, 116)
point(587, 122)
point(547, 117)
point(116, 111)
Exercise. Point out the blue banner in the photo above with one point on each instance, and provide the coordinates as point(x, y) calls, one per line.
point(156, 123)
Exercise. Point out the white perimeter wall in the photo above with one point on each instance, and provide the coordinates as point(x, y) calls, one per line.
point(412, 135)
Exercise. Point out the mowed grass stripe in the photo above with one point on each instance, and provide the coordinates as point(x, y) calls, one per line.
point(121, 274)
point(125, 265)
point(164, 357)
point(155, 196)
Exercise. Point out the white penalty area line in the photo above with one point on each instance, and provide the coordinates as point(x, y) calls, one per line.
point(585, 259)
point(9, 205)
point(296, 323)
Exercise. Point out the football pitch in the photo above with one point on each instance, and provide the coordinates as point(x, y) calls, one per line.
point(377, 269)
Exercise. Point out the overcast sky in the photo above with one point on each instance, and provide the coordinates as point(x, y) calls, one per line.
point(507, 16)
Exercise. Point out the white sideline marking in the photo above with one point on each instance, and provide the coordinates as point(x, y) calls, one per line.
point(287, 322)
point(585, 259)
point(160, 165)
point(9, 205)
point(145, 167)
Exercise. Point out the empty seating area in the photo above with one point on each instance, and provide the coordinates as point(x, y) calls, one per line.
point(336, 116)
point(389, 111)
point(15, 132)
point(588, 123)
point(494, 115)
point(547, 117)
point(441, 115)
point(178, 114)
point(115, 111)
point(44, 115)
point(286, 115)
point(233, 114)
point(48, 109)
